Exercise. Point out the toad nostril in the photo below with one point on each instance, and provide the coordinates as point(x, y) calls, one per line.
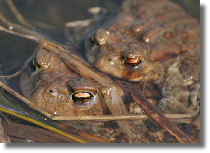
point(132, 62)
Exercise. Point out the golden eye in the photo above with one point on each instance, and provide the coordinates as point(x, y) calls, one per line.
point(133, 62)
point(82, 98)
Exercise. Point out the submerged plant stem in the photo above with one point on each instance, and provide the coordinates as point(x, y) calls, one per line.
point(19, 34)
point(17, 14)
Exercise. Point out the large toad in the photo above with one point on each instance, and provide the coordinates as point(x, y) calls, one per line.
point(152, 41)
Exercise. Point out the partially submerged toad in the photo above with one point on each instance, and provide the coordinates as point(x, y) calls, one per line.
point(56, 88)
point(64, 85)
point(144, 50)
point(152, 41)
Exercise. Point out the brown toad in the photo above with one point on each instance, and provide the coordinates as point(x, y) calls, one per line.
point(65, 85)
point(56, 88)
point(152, 41)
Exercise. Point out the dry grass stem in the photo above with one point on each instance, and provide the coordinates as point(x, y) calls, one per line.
point(120, 117)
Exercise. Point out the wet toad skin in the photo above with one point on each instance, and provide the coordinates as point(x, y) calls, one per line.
point(152, 41)
point(63, 84)
point(54, 87)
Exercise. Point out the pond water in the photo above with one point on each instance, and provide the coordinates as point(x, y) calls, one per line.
point(49, 17)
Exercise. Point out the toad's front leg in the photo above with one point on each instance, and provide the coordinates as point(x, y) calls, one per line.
point(113, 96)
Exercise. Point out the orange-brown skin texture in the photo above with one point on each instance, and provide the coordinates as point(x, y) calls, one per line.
point(167, 42)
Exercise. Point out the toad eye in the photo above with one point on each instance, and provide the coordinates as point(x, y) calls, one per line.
point(100, 37)
point(82, 98)
point(33, 65)
point(93, 40)
point(133, 63)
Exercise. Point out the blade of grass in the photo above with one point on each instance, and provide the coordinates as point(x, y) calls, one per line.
point(43, 125)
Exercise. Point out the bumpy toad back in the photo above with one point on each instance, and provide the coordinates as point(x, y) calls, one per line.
point(143, 33)
point(156, 41)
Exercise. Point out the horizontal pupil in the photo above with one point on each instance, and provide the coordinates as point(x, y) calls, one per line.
point(133, 62)
point(82, 97)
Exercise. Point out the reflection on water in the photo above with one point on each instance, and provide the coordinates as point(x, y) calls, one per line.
point(50, 17)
